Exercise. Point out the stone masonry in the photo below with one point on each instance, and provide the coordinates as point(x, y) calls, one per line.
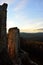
point(13, 42)
point(3, 16)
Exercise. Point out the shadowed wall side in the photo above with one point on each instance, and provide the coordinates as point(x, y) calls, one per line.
point(3, 16)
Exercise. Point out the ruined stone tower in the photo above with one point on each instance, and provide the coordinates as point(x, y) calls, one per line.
point(13, 41)
point(3, 16)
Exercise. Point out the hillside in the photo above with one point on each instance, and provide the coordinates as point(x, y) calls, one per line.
point(32, 36)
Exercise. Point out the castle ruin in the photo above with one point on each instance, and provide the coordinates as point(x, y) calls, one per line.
point(13, 41)
point(12, 44)
point(3, 16)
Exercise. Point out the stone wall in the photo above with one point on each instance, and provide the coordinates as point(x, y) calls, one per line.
point(13, 42)
point(3, 16)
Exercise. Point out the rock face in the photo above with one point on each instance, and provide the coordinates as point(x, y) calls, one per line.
point(13, 42)
point(3, 16)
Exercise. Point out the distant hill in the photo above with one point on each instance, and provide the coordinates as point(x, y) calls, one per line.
point(32, 36)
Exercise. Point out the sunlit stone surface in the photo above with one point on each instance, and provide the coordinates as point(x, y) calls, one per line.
point(13, 42)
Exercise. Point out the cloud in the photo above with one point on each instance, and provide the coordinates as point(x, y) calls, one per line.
point(27, 30)
point(6, 1)
point(20, 4)
point(41, 29)
point(38, 30)
point(25, 22)
point(22, 21)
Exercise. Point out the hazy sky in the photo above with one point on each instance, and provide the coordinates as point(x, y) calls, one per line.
point(27, 15)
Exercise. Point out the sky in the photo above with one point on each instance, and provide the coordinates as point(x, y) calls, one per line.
point(27, 15)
